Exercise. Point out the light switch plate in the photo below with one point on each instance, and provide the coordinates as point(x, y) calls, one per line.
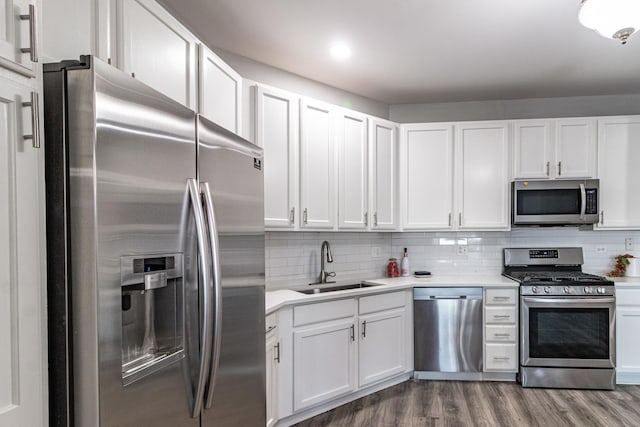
point(628, 244)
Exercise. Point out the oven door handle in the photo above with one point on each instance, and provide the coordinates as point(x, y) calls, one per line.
point(583, 201)
point(569, 301)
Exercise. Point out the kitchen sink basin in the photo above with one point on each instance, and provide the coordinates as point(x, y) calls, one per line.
point(320, 290)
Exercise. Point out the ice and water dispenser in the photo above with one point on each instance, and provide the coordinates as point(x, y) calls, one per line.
point(152, 313)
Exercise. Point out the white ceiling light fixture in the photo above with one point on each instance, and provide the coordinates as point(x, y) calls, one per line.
point(340, 51)
point(613, 19)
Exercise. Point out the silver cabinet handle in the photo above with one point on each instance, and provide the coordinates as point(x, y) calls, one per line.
point(502, 335)
point(277, 356)
point(602, 217)
point(366, 219)
point(353, 332)
point(559, 168)
point(204, 258)
point(375, 219)
point(32, 50)
point(501, 316)
point(292, 215)
point(501, 298)
point(364, 329)
point(502, 358)
point(35, 119)
point(269, 329)
point(460, 219)
point(216, 318)
point(450, 219)
point(304, 216)
point(548, 168)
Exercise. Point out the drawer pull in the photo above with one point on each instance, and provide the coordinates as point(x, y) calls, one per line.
point(502, 316)
point(501, 358)
point(501, 298)
point(502, 335)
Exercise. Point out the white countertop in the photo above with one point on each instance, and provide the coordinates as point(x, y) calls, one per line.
point(622, 282)
point(274, 300)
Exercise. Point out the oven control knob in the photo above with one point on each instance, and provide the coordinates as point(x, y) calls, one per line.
point(588, 290)
point(535, 289)
point(567, 290)
point(547, 289)
point(601, 290)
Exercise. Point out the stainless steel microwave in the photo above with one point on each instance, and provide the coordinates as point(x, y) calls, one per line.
point(559, 202)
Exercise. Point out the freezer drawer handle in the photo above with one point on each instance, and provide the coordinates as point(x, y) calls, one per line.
point(210, 216)
point(207, 286)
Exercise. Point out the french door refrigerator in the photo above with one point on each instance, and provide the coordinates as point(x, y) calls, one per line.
point(155, 244)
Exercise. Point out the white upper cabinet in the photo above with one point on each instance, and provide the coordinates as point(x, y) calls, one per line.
point(533, 148)
point(277, 133)
point(158, 50)
point(618, 160)
point(352, 144)
point(220, 91)
point(554, 149)
point(427, 176)
point(317, 164)
point(482, 160)
point(19, 32)
point(383, 175)
point(575, 148)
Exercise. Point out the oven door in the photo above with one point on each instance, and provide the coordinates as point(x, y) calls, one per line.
point(577, 332)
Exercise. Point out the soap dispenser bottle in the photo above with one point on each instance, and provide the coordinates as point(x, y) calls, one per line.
point(404, 265)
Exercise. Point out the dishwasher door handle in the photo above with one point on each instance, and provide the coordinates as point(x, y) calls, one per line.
point(445, 298)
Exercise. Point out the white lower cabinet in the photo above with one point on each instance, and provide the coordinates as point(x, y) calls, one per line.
point(627, 343)
point(501, 330)
point(382, 347)
point(271, 374)
point(324, 362)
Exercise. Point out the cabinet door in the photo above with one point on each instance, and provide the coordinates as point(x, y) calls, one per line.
point(220, 91)
point(482, 161)
point(22, 310)
point(276, 132)
point(532, 145)
point(427, 177)
point(575, 148)
point(324, 362)
point(273, 360)
point(383, 176)
point(352, 170)
point(627, 343)
point(158, 50)
point(317, 165)
point(15, 35)
point(382, 349)
point(618, 159)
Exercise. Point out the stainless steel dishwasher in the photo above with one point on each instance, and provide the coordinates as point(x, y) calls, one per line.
point(447, 333)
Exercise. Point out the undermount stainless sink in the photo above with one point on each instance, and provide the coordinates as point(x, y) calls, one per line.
point(320, 290)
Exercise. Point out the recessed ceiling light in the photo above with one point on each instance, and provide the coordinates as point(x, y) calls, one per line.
point(340, 51)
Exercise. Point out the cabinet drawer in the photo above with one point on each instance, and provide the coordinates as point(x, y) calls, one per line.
point(323, 311)
point(500, 315)
point(372, 303)
point(627, 296)
point(270, 323)
point(500, 296)
point(499, 333)
point(501, 357)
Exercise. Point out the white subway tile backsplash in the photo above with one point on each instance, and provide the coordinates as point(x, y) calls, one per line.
point(294, 257)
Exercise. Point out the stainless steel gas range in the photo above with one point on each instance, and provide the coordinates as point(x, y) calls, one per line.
point(567, 319)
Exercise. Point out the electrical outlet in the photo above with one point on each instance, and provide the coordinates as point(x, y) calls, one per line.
point(628, 244)
point(463, 249)
point(601, 250)
point(375, 252)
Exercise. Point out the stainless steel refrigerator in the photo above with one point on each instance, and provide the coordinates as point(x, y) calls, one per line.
point(155, 244)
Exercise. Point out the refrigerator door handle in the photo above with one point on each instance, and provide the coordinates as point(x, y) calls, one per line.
point(206, 287)
point(217, 291)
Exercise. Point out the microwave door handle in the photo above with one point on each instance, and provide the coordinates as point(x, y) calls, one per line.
point(583, 201)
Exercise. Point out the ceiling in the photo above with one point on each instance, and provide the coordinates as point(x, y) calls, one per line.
point(417, 51)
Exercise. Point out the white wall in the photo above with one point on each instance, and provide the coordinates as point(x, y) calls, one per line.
point(578, 106)
point(293, 258)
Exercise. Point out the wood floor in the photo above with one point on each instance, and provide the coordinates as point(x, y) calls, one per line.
point(461, 403)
